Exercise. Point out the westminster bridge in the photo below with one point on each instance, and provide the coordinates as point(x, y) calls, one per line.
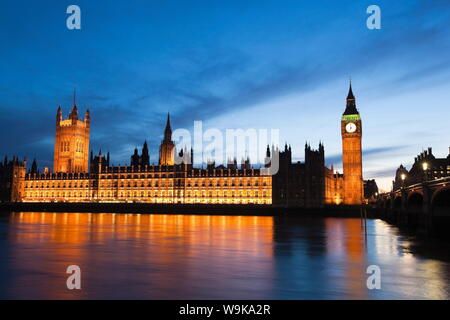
point(423, 207)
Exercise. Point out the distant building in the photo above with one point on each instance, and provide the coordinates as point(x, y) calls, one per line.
point(12, 180)
point(370, 189)
point(425, 167)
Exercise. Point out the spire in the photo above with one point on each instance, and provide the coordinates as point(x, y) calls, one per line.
point(74, 112)
point(350, 95)
point(59, 114)
point(168, 129)
point(34, 169)
point(351, 105)
point(145, 158)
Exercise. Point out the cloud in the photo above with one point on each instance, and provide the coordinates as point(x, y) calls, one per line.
point(368, 153)
point(129, 99)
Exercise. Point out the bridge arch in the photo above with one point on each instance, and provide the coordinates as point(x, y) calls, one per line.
point(414, 208)
point(440, 206)
point(415, 202)
point(397, 204)
point(439, 194)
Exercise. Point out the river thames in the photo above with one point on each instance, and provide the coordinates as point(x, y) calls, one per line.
point(132, 256)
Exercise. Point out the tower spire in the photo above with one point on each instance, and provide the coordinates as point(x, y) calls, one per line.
point(350, 95)
point(351, 104)
point(168, 129)
point(168, 121)
point(167, 148)
point(74, 112)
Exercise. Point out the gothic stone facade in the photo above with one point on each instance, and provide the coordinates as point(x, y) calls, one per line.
point(152, 184)
point(309, 183)
point(71, 142)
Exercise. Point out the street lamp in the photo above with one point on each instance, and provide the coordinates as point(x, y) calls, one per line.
point(403, 177)
point(425, 168)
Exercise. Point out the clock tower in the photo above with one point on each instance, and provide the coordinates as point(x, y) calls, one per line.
point(351, 130)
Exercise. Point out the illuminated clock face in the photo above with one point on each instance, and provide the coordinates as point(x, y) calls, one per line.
point(350, 127)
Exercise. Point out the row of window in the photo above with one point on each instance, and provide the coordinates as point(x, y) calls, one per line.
point(150, 194)
point(152, 183)
point(65, 146)
point(137, 176)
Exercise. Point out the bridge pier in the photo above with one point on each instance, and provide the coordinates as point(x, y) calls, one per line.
point(423, 208)
point(424, 218)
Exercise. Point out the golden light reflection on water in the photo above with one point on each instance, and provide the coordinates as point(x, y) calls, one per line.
point(210, 257)
point(187, 245)
point(346, 240)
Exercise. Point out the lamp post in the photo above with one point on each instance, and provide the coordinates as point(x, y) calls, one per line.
point(425, 168)
point(403, 177)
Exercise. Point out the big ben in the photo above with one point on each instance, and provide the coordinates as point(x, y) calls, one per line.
point(351, 130)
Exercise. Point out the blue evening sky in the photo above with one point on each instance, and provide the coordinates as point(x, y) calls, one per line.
point(232, 64)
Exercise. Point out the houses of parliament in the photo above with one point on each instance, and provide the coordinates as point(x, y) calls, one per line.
point(79, 176)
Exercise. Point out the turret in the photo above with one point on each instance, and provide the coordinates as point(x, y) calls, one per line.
point(87, 117)
point(135, 158)
point(74, 113)
point(321, 148)
point(246, 164)
point(145, 158)
point(34, 169)
point(58, 116)
point(267, 159)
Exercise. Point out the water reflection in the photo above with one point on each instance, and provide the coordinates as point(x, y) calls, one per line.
point(211, 257)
